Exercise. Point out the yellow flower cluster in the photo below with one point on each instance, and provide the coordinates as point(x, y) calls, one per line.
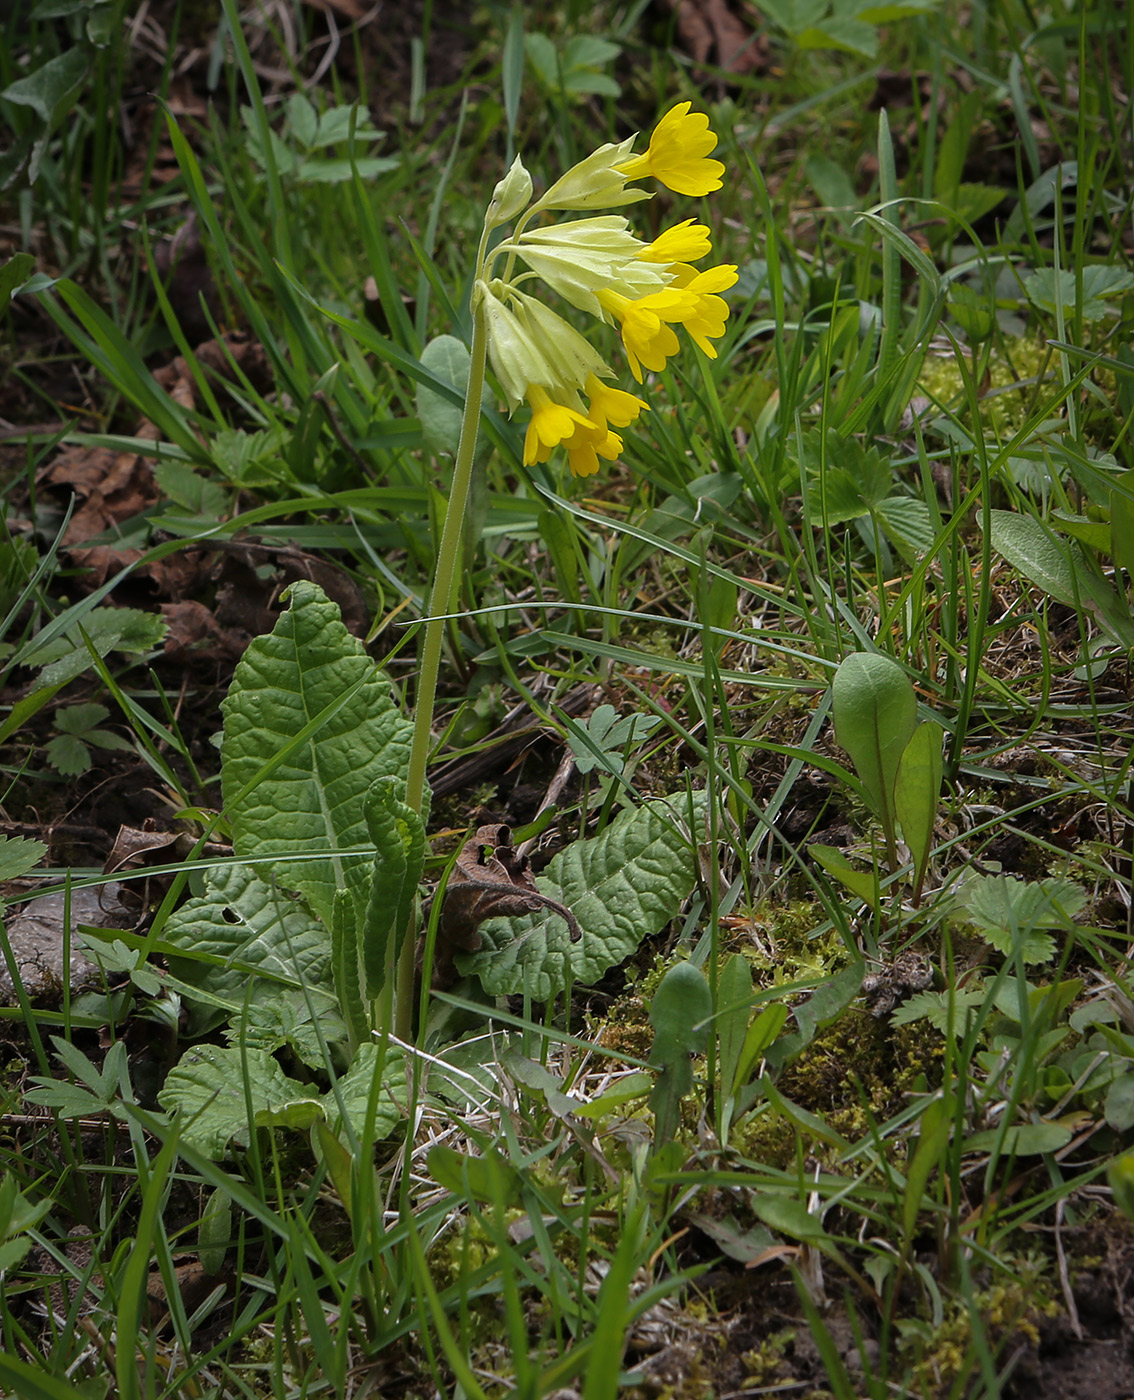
point(597, 265)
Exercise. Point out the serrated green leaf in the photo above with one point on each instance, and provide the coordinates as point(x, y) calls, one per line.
point(1050, 288)
point(302, 118)
point(264, 946)
point(622, 886)
point(106, 629)
point(79, 718)
point(208, 1087)
point(544, 58)
point(188, 489)
point(1011, 912)
point(1005, 902)
point(944, 1011)
point(842, 33)
point(795, 16)
point(321, 171)
point(908, 523)
point(18, 855)
point(68, 755)
point(311, 803)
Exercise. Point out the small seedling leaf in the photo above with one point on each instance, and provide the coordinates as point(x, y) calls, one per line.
point(917, 791)
point(861, 883)
point(875, 714)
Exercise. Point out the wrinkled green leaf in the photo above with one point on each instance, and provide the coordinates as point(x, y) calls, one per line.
point(264, 947)
point(310, 804)
point(622, 886)
point(208, 1089)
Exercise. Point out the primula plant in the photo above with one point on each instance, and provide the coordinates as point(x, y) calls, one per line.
point(597, 265)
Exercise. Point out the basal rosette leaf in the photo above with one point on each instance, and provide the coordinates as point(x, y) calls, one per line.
point(254, 946)
point(214, 1086)
point(622, 886)
point(305, 811)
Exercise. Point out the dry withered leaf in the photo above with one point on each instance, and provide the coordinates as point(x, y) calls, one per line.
point(133, 844)
point(489, 881)
point(711, 33)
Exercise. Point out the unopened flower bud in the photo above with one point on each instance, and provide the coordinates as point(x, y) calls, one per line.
point(511, 195)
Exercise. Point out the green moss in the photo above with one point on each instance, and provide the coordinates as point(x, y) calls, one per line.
point(1011, 1313)
point(1021, 359)
point(857, 1070)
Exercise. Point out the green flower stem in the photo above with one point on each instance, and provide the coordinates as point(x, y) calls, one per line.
point(440, 600)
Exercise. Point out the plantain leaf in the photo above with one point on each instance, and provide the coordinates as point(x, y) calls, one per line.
point(917, 791)
point(875, 714)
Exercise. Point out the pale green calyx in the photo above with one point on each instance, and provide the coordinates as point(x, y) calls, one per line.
point(515, 357)
point(595, 183)
point(577, 259)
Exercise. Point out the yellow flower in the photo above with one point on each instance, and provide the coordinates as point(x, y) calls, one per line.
point(677, 154)
point(710, 313)
point(609, 405)
point(583, 459)
point(575, 259)
point(554, 423)
point(686, 242)
point(646, 336)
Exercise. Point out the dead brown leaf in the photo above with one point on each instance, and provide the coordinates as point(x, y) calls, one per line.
point(489, 881)
point(713, 34)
